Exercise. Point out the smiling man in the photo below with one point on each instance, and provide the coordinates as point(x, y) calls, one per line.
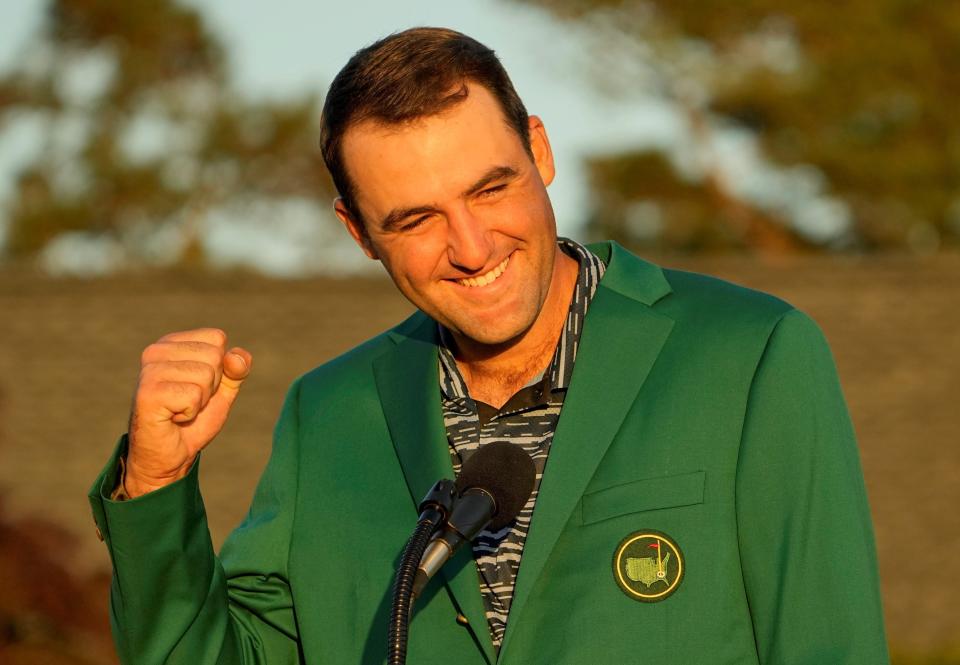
point(698, 495)
point(455, 207)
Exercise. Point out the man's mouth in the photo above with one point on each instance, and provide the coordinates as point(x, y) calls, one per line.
point(486, 278)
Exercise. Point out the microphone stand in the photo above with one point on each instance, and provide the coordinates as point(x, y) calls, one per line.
point(493, 486)
point(434, 511)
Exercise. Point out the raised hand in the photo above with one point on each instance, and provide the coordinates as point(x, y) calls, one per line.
point(188, 383)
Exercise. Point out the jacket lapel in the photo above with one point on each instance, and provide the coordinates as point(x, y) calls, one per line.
point(621, 339)
point(408, 383)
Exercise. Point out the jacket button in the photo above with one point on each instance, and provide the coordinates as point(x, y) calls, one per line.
point(462, 620)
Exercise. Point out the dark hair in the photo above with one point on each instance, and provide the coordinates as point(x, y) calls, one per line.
point(409, 75)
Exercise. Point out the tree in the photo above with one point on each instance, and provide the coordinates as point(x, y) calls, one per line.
point(156, 135)
point(862, 92)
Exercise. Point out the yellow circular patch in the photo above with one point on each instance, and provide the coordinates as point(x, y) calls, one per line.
point(648, 566)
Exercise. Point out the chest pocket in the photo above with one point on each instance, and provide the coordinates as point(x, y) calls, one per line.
point(641, 495)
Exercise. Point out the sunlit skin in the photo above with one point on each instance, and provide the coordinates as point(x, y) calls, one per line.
point(458, 213)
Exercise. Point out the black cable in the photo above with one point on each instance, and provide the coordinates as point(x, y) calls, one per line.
point(402, 606)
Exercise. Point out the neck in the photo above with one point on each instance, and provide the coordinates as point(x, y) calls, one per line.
point(494, 372)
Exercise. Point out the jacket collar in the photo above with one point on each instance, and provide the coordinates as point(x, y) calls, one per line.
point(629, 275)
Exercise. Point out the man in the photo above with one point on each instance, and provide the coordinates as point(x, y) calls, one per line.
point(698, 497)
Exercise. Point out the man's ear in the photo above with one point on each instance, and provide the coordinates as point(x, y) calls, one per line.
point(354, 226)
point(540, 147)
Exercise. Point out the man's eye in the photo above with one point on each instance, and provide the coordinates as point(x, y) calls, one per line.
point(490, 191)
point(414, 223)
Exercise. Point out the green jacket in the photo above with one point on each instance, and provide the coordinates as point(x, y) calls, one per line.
point(698, 410)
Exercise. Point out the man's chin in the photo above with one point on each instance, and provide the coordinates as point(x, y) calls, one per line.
point(499, 335)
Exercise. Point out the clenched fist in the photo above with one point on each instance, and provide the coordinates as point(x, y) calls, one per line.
point(188, 382)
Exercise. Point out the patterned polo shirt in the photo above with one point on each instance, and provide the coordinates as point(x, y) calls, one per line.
point(529, 420)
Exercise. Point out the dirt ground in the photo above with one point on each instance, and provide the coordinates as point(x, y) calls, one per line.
point(69, 356)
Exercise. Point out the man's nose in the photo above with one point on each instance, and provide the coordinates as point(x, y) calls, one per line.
point(468, 243)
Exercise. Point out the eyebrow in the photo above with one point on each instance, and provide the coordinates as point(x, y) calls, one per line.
point(494, 174)
point(394, 217)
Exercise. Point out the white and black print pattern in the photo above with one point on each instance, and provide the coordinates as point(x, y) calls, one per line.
point(529, 420)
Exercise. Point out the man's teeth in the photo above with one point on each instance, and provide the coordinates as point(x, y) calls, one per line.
point(486, 278)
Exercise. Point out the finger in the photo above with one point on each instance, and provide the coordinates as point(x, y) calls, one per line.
point(213, 336)
point(162, 352)
point(181, 371)
point(176, 401)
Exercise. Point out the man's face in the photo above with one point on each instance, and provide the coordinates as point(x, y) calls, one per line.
point(458, 213)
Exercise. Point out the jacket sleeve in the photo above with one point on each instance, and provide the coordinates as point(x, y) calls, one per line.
point(172, 600)
point(806, 539)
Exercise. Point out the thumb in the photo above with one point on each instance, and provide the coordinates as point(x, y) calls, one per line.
point(236, 367)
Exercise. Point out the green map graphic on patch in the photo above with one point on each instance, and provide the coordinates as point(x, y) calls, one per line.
point(643, 560)
point(648, 570)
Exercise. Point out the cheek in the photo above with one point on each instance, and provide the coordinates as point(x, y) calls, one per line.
point(528, 214)
point(539, 210)
point(413, 262)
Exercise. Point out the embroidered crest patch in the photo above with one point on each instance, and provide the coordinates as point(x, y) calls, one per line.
point(648, 566)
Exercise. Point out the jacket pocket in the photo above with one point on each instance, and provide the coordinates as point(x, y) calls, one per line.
point(641, 495)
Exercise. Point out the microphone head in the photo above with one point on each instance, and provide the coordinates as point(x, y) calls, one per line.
point(505, 472)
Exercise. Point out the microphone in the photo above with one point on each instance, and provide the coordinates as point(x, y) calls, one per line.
point(493, 485)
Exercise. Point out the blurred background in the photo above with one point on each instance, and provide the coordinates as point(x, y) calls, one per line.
point(159, 170)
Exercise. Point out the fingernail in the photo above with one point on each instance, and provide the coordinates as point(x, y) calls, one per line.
point(241, 358)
